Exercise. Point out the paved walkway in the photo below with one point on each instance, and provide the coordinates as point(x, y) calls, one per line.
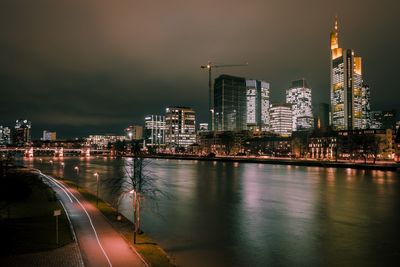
point(67, 256)
point(99, 243)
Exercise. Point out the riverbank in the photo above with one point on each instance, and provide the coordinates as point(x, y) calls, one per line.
point(284, 161)
point(27, 224)
point(153, 254)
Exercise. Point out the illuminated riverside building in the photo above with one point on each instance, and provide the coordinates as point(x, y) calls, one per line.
point(299, 96)
point(257, 105)
point(346, 86)
point(281, 119)
point(180, 123)
point(22, 132)
point(5, 135)
point(49, 136)
point(103, 141)
point(134, 132)
point(154, 130)
point(203, 127)
point(383, 119)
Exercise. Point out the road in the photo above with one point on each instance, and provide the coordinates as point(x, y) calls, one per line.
point(100, 244)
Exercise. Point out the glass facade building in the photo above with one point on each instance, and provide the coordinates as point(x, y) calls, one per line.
point(299, 96)
point(230, 103)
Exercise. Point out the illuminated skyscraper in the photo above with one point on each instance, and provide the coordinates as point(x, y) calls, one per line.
point(281, 119)
point(299, 96)
point(154, 130)
point(180, 126)
point(346, 83)
point(257, 105)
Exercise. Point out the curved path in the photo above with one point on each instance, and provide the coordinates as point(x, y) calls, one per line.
point(100, 244)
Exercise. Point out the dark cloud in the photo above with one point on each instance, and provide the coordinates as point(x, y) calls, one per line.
point(96, 66)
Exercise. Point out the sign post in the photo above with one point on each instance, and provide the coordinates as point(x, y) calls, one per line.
point(56, 214)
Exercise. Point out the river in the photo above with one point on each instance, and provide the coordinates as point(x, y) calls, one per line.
point(247, 214)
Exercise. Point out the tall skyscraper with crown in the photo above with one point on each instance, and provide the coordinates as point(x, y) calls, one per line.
point(346, 86)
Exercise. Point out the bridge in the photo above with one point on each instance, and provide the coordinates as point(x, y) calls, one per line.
point(55, 152)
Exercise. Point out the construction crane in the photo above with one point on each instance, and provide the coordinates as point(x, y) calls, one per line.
point(211, 66)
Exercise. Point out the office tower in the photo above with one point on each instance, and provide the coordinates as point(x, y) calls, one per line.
point(383, 119)
point(21, 132)
point(346, 83)
point(366, 106)
point(180, 123)
point(154, 130)
point(299, 96)
point(230, 103)
point(134, 132)
point(5, 136)
point(49, 136)
point(281, 119)
point(257, 105)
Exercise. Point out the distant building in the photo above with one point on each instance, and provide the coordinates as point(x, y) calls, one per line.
point(49, 136)
point(154, 130)
point(203, 127)
point(5, 136)
point(281, 119)
point(230, 103)
point(103, 141)
point(134, 132)
point(257, 105)
point(299, 96)
point(383, 119)
point(346, 86)
point(180, 123)
point(322, 116)
point(21, 134)
point(366, 107)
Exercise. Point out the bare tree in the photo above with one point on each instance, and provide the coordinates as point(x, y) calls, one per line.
point(139, 182)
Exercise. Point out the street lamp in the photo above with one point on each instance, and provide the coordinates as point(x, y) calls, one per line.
point(76, 168)
point(97, 190)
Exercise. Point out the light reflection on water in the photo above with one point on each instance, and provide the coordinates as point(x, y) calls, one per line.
point(231, 214)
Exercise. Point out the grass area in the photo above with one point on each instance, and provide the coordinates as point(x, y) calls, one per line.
point(153, 254)
point(27, 223)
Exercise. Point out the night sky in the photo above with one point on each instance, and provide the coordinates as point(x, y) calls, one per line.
point(80, 67)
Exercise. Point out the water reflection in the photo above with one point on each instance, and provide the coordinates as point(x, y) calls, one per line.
point(231, 214)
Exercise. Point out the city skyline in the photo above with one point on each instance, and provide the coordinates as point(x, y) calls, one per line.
point(103, 76)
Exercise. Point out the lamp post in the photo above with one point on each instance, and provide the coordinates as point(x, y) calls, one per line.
point(76, 168)
point(97, 190)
